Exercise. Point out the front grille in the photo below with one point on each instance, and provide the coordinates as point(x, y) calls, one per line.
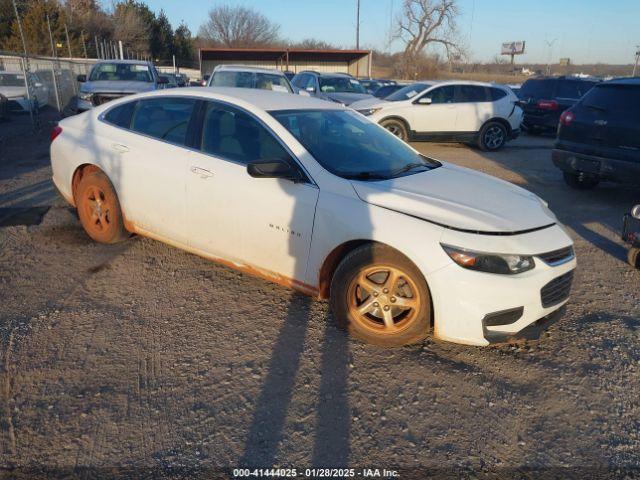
point(557, 257)
point(98, 99)
point(557, 290)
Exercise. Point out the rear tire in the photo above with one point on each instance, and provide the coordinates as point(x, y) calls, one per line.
point(633, 257)
point(492, 137)
point(99, 209)
point(580, 182)
point(380, 297)
point(397, 127)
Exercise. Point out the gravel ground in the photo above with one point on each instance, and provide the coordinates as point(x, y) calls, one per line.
point(142, 359)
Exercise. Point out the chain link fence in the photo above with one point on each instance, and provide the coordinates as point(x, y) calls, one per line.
point(32, 85)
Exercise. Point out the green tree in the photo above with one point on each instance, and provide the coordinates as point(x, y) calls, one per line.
point(183, 46)
point(164, 38)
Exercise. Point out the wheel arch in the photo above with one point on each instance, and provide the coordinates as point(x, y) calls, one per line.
point(399, 119)
point(501, 121)
point(333, 259)
point(79, 173)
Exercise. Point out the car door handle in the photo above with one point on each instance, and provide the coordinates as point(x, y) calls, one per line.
point(118, 147)
point(203, 172)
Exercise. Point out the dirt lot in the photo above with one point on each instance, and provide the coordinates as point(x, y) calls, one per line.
point(139, 358)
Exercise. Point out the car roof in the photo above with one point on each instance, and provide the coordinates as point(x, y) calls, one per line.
point(131, 62)
point(266, 100)
point(246, 68)
point(328, 74)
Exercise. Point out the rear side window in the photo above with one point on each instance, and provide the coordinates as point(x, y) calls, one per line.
point(541, 88)
point(470, 93)
point(120, 116)
point(164, 118)
point(573, 88)
point(496, 94)
point(618, 99)
point(230, 133)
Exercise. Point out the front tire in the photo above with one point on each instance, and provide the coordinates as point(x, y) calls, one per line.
point(380, 297)
point(99, 209)
point(633, 257)
point(580, 182)
point(397, 127)
point(492, 137)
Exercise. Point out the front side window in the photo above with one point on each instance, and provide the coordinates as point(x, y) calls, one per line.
point(340, 85)
point(124, 72)
point(350, 146)
point(120, 116)
point(164, 118)
point(232, 134)
point(442, 95)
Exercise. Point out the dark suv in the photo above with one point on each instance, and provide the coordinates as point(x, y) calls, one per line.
point(544, 99)
point(335, 87)
point(599, 138)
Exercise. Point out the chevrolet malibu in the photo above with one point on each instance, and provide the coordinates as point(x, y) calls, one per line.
point(315, 196)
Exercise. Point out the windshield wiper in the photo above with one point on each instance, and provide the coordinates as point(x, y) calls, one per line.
point(409, 167)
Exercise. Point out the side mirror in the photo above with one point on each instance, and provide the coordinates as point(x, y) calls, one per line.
point(310, 89)
point(81, 78)
point(635, 212)
point(273, 168)
point(162, 80)
point(424, 100)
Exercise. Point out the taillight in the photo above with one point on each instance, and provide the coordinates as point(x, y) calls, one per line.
point(567, 117)
point(57, 130)
point(547, 104)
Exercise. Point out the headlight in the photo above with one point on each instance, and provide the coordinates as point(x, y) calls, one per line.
point(369, 111)
point(489, 262)
point(635, 212)
point(85, 96)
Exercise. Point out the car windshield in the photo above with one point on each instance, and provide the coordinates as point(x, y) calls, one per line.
point(340, 85)
point(121, 72)
point(11, 80)
point(408, 92)
point(350, 146)
point(262, 81)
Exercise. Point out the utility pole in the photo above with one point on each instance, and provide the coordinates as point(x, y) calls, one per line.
point(549, 46)
point(635, 66)
point(357, 24)
point(24, 44)
point(66, 32)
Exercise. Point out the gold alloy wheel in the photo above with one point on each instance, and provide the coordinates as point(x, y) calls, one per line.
point(383, 299)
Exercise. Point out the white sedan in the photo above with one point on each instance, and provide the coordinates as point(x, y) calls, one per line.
point(313, 195)
point(483, 114)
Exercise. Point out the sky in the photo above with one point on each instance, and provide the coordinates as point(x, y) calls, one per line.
point(586, 31)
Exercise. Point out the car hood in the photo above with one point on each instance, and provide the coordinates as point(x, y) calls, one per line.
point(461, 199)
point(13, 92)
point(368, 103)
point(347, 98)
point(116, 87)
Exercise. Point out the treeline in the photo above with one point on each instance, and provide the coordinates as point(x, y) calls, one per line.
point(76, 24)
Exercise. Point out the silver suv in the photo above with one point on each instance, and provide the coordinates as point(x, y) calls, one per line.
point(241, 76)
point(117, 78)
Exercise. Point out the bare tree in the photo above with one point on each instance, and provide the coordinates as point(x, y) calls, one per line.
point(239, 27)
point(424, 23)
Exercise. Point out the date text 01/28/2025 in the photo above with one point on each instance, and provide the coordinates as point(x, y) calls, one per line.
point(315, 473)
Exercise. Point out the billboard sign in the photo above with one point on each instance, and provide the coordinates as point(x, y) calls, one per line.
point(513, 48)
